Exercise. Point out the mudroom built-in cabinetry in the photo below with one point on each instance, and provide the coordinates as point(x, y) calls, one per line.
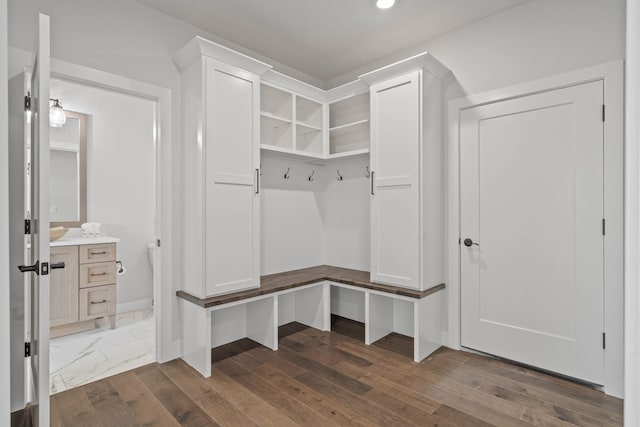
point(282, 178)
point(221, 149)
point(407, 174)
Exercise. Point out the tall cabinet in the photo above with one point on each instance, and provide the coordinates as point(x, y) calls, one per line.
point(221, 164)
point(407, 173)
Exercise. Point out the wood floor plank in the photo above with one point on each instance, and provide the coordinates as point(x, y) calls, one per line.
point(75, 408)
point(605, 415)
point(209, 400)
point(390, 388)
point(296, 410)
point(360, 405)
point(459, 418)
point(572, 396)
point(330, 374)
point(181, 406)
point(251, 405)
point(333, 411)
point(326, 378)
point(141, 402)
point(548, 382)
point(109, 405)
point(435, 393)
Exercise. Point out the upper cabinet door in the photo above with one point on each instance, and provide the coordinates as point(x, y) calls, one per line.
point(231, 151)
point(395, 192)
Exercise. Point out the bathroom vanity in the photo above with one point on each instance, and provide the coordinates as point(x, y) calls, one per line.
point(85, 289)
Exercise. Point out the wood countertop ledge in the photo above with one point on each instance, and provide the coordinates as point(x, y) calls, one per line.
point(292, 279)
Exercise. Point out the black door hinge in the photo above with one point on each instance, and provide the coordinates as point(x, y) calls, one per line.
point(603, 114)
point(604, 226)
point(27, 349)
point(604, 341)
point(27, 226)
point(158, 243)
point(27, 101)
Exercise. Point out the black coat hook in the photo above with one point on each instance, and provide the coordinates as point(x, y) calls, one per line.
point(286, 174)
point(340, 177)
point(368, 174)
point(311, 176)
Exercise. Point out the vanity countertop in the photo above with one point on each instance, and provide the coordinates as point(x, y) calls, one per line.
point(71, 241)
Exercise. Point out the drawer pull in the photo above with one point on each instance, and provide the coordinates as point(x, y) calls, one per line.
point(98, 302)
point(99, 253)
point(99, 274)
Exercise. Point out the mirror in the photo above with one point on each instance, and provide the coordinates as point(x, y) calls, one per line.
point(68, 172)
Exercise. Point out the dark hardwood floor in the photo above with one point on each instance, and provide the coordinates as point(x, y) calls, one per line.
point(322, 379)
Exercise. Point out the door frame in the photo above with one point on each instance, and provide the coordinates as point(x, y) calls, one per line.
point(166, 347)
point(611, 73)
point(5, 362)
point(632, 212)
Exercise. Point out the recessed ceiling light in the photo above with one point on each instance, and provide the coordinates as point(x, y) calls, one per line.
point(385, 4)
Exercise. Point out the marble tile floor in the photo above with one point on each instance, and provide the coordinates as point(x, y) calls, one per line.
point(84, 357)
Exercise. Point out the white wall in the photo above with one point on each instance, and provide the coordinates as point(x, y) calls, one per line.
point(306, 223)
point(5, 392)
point(291, 220)
point(632, 243)
point(120, 178)
point(536, 39)
point(346, 214)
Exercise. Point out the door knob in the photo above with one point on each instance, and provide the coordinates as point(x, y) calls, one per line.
point(57, 265)
point(468, 242)
point(30, 268)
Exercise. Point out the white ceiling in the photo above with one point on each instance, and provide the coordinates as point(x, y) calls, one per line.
point(327, 38)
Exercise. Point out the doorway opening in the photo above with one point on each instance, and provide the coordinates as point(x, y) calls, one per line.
point(115, 328)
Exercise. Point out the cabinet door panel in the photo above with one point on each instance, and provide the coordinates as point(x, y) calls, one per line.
point(395, 202)
point(64, 286)
point(232, 203)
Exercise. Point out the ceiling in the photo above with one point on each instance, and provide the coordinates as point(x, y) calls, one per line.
point(327, 38)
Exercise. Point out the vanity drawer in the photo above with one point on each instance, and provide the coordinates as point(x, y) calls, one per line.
point(97, 302)
point(97, 274)
point(97, 253)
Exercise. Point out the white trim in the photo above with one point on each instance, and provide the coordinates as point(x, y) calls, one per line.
point(611, 73)
point(632, 213)
point(166, 347)
point(5, 362)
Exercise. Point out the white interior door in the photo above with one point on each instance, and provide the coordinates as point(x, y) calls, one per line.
point(38, 239)
point(532, 209)
point(395, 166)
point(232, 188)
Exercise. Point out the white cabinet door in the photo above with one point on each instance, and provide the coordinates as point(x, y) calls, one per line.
point(532, 192)
point(395, 177)
point(232, 179)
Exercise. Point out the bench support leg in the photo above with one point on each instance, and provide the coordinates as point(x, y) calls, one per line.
point(427, 334)
point(196, 337)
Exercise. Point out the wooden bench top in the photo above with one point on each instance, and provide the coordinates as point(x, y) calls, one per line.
point(293, 279)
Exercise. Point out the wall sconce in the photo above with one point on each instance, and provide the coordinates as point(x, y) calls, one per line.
point(57, 118)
